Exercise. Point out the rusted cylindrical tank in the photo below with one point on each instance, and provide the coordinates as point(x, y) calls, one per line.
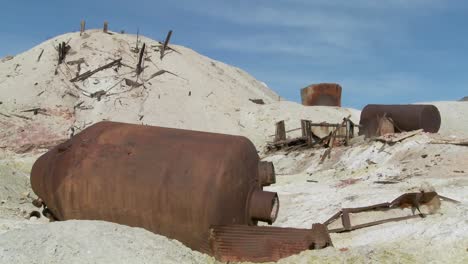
point(170, 181)
point(405, 118)
point(327, 94)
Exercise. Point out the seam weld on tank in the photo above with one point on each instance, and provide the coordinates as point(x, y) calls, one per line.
point(405, 118)
point(326, 94)
point(172, 182)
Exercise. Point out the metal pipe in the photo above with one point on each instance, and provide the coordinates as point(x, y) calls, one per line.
point(264, 206)
point(266, 173)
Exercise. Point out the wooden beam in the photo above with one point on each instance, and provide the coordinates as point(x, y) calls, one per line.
point(139, 69)
point(280, 131)
point(88, 74)
point(166, 42)
point(106, 27)
point(82, 27)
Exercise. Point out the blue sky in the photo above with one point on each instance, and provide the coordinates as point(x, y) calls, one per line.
point(398, 51)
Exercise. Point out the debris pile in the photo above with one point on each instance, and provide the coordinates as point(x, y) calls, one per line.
point(312, 134)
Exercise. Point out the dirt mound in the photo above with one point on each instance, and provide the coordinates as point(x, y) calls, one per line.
point(92, 242)
point(41, 103)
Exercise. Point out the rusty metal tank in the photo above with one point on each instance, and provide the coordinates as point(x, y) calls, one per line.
point(405, 118)
point(327, 94)
point(170, 181)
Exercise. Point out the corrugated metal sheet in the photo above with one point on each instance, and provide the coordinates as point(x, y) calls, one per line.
point(263, 243)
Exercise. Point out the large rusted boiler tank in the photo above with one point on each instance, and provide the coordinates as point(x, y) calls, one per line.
point(404, 118)
point(172, 182)
point(326, 94)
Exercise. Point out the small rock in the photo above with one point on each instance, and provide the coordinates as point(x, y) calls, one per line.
point(424, 156)
point(459, 171)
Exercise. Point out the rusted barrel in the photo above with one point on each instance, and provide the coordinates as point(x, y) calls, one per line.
point(170, 181)
point(405, 118)
point(327, 94)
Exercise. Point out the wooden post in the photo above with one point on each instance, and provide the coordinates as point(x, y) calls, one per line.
point(280, 131)
point(139, 68)
point(166, 42)
point(307, 131)
point(106, 25)
point(82, 27)
point(138, 35)
point(348, 128)
point(303, 128)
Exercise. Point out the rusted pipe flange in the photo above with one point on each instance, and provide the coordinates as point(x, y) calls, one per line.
point(264, 206)
point(266, 173)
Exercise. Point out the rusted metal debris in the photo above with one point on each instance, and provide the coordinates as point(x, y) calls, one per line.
point(263, 243)
point(403, 118)
point(326, 94)
point(408, 200)
point(173, 182)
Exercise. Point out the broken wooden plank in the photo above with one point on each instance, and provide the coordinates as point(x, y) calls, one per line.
point(82, 27)
point(5, 115)
point(98, 94)
point(257, 101)
point(74, 62)
point(63, 49)
point(459, 142)
point(397, 137)
point(139, 69)
point(159, 73)
point(88, 74)
point(105, 27)
point(131, 83)
point(21, 116)
point(280, 133)
point(40, 55)
point(35, 111)
point(166, 43)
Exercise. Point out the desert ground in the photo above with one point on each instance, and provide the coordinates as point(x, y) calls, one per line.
point(187, 90)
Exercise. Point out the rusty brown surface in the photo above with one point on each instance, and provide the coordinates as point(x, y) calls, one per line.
point(327, 94)
point(173, 182)
point(266, 173)
point(404, 118)
point(263, 243)
point(407, 200)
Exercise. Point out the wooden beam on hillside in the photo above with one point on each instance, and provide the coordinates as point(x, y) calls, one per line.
point(88, 74)
point(139, 67)
point(166, 43)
